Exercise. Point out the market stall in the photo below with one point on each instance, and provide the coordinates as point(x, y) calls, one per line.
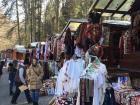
point(112, 42)
point(19, 52)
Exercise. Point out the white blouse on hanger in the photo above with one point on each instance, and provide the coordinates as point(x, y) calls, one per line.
point(74, 71)
point(98, 74)
point(69, 76)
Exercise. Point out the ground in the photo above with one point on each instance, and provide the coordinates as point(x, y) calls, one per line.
point(5, 98)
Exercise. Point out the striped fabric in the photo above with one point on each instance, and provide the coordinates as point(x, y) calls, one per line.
point(86, 91)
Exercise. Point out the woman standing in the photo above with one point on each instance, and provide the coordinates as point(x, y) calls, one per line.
point(35, 75)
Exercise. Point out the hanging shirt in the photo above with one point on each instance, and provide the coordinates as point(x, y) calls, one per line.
point(125, 43)
point(67, 81)
point(75, 67)
point(46, 51)
point(78, 52)
point(98, 75)
point(61, 80)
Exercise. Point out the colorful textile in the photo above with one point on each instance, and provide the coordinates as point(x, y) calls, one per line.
point(125, 43)
point(119, 94)
point(60, 46)
point(82, 91)
point(93, 31)
point(48, 87)
point(135, 100)
point(128, 97)
point(86, 91)
point(89, 35)
point(64, 101)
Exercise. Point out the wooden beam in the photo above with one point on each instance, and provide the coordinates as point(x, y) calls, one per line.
point(93, 6)
point(119, 7)
point(112, 11)
point(107, 6)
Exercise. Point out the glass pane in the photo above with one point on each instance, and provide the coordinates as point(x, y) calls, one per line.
point(102, 4)
point(127, 5)
point(127, 17)
point(106, 14)
point(74, 26)
point(118, 15)
point(115, 4)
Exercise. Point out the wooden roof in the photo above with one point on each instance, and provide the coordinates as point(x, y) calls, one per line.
point(112, 7)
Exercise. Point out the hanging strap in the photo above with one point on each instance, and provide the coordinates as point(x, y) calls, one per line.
point(35, 72)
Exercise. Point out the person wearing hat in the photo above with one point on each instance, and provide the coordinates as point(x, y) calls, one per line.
point(35, 75)
point(20, 79)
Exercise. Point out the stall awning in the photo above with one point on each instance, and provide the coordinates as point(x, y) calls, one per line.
point(117, 22)
point(20, 48)
point(33, 44)
point(112, 7)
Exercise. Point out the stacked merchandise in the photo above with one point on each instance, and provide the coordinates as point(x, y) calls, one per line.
point(125, 94)
point(48, 87)
point(64, 101)
point(127, 97)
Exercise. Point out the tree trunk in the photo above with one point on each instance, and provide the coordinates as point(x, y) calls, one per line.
point(19, 38)
point(26, 21)
point(57, 15)
point(45, 22)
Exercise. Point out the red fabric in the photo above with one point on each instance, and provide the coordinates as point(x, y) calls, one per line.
point(82, 33)
point(135, 100)
point(19, 56)
point(101, 52)
point(121, 43)
point(34, 53)
point(93, 31)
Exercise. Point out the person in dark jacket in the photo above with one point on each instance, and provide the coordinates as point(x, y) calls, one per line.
point(20, 79)
point(1, 67)
point(0, 71)
point(12, 72)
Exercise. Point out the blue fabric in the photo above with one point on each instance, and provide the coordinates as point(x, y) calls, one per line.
point(12, 76)
point(12, 83)
point(35, 95)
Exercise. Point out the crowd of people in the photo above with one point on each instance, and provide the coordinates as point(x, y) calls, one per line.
point(22, 74)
